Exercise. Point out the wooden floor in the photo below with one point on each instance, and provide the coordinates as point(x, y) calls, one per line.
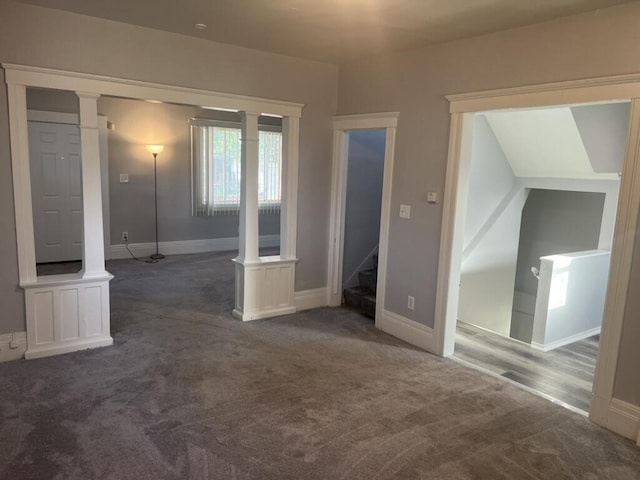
point(565, 373)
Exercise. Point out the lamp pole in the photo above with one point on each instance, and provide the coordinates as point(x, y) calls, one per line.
point(155, 150)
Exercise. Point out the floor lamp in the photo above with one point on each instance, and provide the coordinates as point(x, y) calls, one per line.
point(155, 150)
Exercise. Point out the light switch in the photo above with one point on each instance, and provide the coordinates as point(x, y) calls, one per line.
point(124, 178)
point(432, 197)
point(405, 211)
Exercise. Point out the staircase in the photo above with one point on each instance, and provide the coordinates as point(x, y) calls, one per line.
point(363, 297)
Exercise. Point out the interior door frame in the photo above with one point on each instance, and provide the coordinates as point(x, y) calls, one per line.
point(341, 126)
point(605, 410)
point(72, 119)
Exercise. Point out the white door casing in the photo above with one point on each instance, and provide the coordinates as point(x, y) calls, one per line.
point(341, 125)
point(462, 108)
point(56, 188)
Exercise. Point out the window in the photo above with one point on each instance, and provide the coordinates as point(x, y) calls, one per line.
point(216, 156)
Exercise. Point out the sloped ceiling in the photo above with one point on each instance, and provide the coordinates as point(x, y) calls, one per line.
point(329, 30)
point(585, 142)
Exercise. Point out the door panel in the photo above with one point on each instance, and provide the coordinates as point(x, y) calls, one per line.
point(56, 187)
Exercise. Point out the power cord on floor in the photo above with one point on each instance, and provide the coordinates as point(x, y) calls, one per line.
point(143, 260)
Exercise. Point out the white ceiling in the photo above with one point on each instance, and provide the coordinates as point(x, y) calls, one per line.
point(329, 30)
point(551, 143)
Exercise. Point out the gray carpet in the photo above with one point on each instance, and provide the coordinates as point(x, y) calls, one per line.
point(187, 392)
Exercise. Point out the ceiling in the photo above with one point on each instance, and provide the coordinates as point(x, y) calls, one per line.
point(583, 142)
point(329, 30)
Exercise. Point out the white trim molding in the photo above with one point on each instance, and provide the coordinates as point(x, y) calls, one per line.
point(120, 87)
point(341, 126)
point(547, 347)
point(462, 108)
point(67, 313)
point(13, 346)
point(408, 330)
point(624, 419)
point(80, 301)
point(313, 298)
point(182, 247)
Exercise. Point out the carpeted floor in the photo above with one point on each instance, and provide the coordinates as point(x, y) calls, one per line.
point(187, 392)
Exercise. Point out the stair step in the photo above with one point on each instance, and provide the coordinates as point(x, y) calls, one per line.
point(361, 299)
point(368, 279)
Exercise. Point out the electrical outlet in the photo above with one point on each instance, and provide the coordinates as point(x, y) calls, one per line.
point(411, 302)
point(125, 236)
point(405, 211)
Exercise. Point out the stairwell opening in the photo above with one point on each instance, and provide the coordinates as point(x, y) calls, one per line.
point(363, 205)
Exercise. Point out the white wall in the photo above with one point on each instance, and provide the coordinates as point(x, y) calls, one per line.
point(571, 295)
point(365, 168)
point(492, 227)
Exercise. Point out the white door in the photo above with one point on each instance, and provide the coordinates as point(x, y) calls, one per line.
point(56, 189)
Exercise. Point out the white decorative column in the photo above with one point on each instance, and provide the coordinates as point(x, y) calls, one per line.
point(70, 312)
point(92, 233)
point(248, 248)
point(264, 285)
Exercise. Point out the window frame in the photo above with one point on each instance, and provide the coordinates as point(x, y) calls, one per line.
point(205, 210)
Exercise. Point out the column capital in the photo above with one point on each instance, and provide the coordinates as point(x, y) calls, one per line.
point(88, 95)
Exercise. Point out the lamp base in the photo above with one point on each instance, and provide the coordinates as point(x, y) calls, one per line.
point(156, 256)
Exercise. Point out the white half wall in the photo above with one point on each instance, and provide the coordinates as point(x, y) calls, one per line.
point(571, 295)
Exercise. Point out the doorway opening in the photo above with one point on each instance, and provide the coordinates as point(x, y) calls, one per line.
point(540, 212)
point(363, 206)
point(383, 126)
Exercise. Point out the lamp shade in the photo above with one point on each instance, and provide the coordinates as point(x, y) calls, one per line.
point(155, 149)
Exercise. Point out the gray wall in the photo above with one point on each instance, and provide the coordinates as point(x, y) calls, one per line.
point(365, 169)
point(52, 100)
point(555, 221)
point(48, 38)
point(604, 131)
point(415, 83)
point(137, 124)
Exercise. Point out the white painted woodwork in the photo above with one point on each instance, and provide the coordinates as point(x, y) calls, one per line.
point(56, 188)
point(66, 313)
point(570, 298)
point(42, 310)
point(93, 235)
point(123, 87)
point(248, 250)
point(264, 288)
point(19, 137)
point(341, 125)
point(462, 106)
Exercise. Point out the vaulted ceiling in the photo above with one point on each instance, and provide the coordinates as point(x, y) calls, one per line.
point(585, 142)
point(329, 30)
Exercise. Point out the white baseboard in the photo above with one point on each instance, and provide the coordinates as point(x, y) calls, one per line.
point(68, 347)
point(624, 419)
point(408, 330)
point(13, 346)
point(181, 247)
point(314, 298)
point(566, 341)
